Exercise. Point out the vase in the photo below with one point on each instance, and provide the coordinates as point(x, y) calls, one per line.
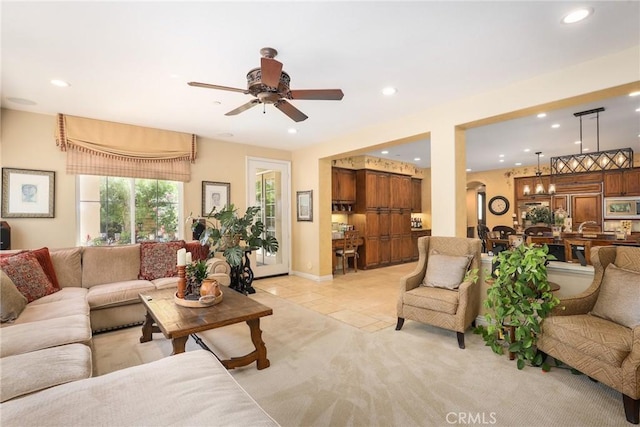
point(210, 287)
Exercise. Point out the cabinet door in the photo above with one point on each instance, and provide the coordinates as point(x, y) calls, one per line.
point(335, 186)
point(385, 250)
point(613, 184)
point(587, 207)
point(397, 227)
point(371, 252)
point(632, 182)
point(382, 190)
point(384, 223)
point(416, 195)
point(559, 202)
point(347, 185)
point(372, 226)
point(407, 247)
point(396, 248)
point(400, 191)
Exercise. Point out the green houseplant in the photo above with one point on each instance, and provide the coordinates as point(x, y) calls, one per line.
point(519, 298)
point(232, 234)
point(539, 215)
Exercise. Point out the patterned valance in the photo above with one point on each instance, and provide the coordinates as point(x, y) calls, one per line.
point(97, 147)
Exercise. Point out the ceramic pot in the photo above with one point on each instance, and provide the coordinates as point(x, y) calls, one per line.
point(210, 287)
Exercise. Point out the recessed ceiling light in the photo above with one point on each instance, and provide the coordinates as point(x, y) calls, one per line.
point(555, 125)
point(21, 101)
point(501, 155)
point(578, 142)
point(292, 130)
point(416, 159)
point(216, 102)
point(384, 152)
point(469, 170)
point(526, 150)
point(541, 155)
point(541, 115)
point(173, 76)
point(518, 164)
point(577, 15)
point(638, 110)
point(636, 93)
point(501, 160)
point(389, 91)
point(225, 134)
point(585, 149)
point(59, 83)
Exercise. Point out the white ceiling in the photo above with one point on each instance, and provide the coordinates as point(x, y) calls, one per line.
point(129, 62)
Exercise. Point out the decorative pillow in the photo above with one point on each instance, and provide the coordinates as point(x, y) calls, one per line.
point(44, 259)
point(619, 297)
point(159, 259)
point(198, 251)
point(28, 276)
point(446, 271)
point(12, 302)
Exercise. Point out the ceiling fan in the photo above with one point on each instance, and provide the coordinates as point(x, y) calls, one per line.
point(270, 85)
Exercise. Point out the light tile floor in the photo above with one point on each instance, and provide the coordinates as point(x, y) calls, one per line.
point(366, 299)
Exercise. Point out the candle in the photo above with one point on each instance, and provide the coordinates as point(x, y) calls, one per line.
point(182, 256)
point(188, 257)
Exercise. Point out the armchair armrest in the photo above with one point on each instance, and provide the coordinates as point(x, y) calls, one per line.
point(630, 366)
point(411, 280)
point(581, 303)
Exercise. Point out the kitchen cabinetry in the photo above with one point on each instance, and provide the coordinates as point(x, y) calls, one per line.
point(343, 185)
point(400, 191)
point(416, 195)
point(586, 207)
point(415, 235)
point(622, 183)
point(372, 190)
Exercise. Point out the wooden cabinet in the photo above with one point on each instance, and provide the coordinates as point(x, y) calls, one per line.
point(343, 185)
point(415, 235)
point(400, 191)
point(416, 195)
point(586, 207)
point(622, 183)
point(559, 202)
point(372, 190)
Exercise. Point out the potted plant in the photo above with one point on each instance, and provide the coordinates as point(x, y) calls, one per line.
point(539, 215)
point(196, 272)
point(232, 235)
point(517, 301)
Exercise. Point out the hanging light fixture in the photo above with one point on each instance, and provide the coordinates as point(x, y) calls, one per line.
point(621, 158)
point(538, 184)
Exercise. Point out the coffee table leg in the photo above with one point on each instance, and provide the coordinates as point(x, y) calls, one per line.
point(179, 344)
point(147, 328)
point(256, 337)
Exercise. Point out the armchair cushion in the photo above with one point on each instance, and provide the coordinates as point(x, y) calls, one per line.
point(619, 298)
point(436, 299)
point(446, 271)
point(592, 336)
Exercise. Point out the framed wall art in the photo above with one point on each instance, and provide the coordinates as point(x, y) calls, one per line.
point(304, 204)
point(28, 193)
point(215, 194)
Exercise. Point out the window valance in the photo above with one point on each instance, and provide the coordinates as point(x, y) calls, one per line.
point(99, 147)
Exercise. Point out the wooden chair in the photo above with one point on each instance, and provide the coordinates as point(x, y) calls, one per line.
point(349, 250)
point(537, 231)
point(582, 249)
point(504, 231)
point(483, 234)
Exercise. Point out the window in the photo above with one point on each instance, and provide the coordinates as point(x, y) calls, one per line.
point(115, 210)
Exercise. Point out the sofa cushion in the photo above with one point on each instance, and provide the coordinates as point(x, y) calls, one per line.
point(118, 293)
point(27, 274)
point(598, 338)
point(145, 395)
point(12, 302)
point(68, 265)
point(159, 259)
point(436, 299)
point(619, 297)
point(79, 295)
point(445, 271)
point(166, 282)
point(51, 310)
point(41, 334)
point(29, 372)
point(109, 264)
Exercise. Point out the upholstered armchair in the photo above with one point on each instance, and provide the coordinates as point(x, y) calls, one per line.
point(597, 332)
point(435, 293)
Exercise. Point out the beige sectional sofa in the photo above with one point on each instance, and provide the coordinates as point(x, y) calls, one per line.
point(49, 343)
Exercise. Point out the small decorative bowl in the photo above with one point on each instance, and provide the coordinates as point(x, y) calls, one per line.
point(204, 301)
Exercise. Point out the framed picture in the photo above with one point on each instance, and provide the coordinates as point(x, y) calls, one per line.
point(623, 207)
point(304, 204)
point(215, 195)
point(28, 193)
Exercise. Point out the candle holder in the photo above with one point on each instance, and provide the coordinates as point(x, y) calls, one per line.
point(182, 281)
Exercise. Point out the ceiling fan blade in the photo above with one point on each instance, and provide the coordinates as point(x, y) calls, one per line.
point(291, 111)
point(243, 107)
point(327, 94)
point(210, 86)
point(270, 70)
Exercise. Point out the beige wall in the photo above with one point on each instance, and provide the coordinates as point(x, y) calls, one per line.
point(28, 143)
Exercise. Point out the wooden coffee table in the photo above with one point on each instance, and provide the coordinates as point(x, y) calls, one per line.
point(177, 322)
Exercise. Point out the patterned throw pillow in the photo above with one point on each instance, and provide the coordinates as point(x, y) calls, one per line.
point(44, 259)
point(446, 271)
point(198, 251)
point(27, 274)
point(159, 259)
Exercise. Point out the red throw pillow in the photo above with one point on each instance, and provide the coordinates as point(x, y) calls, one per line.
point(198, 251)
point(27, 274)
point(44, 258)
point(159, 259)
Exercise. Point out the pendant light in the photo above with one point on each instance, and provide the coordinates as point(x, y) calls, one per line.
point(538, 184)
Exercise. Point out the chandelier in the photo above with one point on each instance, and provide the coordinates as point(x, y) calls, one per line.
point(621, 158)
point(539, 185)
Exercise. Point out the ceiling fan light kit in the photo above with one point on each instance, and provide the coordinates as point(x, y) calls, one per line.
point(621, 158)
point(270, 85)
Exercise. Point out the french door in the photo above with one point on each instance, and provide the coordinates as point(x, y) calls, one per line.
point(268, 183)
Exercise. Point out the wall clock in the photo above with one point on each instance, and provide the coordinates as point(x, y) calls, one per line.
point(498, 205)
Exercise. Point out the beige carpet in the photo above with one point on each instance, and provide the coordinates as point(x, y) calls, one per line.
point(326, 373)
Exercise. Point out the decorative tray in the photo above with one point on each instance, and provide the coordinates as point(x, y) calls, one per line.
point(205, 301)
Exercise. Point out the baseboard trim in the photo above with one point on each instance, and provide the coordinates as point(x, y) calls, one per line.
point(313, 277)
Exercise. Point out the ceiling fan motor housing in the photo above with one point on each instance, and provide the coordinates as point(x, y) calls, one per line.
point(263, 92)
